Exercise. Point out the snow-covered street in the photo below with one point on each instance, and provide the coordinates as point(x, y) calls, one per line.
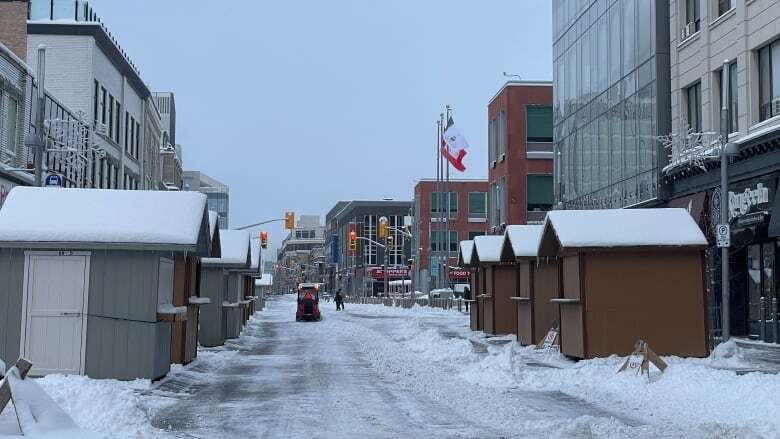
point(379, 372)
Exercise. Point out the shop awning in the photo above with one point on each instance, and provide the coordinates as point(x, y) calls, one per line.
point(774, 222)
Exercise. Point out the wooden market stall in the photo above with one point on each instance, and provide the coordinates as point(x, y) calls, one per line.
point(626, 275)
point(465, 259)
point(498, 286)
point(537, 281)
point(87, 287)
point(221, 284)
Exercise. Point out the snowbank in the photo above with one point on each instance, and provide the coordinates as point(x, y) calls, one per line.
point(434, 353)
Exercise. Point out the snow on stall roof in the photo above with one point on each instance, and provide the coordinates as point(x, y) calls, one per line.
point(466, 250)
point(234, 246)
point(489, 247)
point(213, 217)
point(524, 239)
point(255, 248)
point(625, 228)
point(32, 214)
point(265, 281)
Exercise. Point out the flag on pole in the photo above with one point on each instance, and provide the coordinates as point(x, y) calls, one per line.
point(454, 146)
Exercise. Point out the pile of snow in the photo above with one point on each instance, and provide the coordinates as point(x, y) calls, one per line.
point(102, 216)
point(488, 248)
point(36, 414)
point(623, 228)
point(235, 249)
point(524, 239)
point(690, 399)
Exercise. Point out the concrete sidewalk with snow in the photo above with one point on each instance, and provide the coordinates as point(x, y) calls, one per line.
point(374, 371)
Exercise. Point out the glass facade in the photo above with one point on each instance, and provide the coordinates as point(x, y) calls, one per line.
point(606, 112)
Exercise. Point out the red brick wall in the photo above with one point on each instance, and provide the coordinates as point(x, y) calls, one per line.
point(13, 26)
point(423, 192)
point(516, 166)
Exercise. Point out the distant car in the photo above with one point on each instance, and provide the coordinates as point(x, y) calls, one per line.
point(441, 293)
point(459, 290)
point(308, 303)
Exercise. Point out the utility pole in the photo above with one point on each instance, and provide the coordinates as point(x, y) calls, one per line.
point(449, 211)
point(724, 204)
point(39, 114)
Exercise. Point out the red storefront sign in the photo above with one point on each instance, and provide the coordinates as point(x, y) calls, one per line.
point(392, 273)
point(459, 274)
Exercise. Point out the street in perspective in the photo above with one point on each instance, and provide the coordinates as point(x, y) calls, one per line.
point(399, 219)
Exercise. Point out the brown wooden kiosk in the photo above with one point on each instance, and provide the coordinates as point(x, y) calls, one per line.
point(537, 280)
point(498, 284)
point(465, 255)
point(626, 275)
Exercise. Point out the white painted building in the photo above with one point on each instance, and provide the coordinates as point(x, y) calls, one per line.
point(89, 72)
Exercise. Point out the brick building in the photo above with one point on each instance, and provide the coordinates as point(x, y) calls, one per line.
point(467, 218)
point(13, 26)
point(520, 154)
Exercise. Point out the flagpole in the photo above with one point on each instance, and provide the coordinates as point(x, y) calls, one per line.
point(437, 188)
point(441, 203)
point(447, 189)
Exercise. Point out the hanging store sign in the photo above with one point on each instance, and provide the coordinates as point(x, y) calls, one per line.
point(459, 274)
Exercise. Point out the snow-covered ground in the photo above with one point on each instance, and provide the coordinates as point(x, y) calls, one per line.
point(374, 371)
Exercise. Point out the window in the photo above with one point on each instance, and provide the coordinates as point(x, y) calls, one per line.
point(137, 139)
point(117, 121)
point(102, 105)
point(369, 231)
point(438, 204)
point(40, 10)
point(769, 80)
point(10, 125)
point(501, 132)
point(96, 103)
point(127, 126)
point(132, 136)
point(478, 205)
point(473, 235)
point(692, 15)
point(439, 241)
point(492, 140)
point(539, 124)
point(540, 192)
point(723, 6)
point(110, 117)
point(501, 201)
point(693, 95)
point(731, 99)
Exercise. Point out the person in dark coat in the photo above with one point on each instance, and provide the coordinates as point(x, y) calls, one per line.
point(467, 297)
point(339, 301)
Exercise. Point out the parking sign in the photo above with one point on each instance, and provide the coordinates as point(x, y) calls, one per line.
point(723, 235)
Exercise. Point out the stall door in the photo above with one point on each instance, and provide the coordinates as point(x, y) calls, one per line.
point(762, 300)
point(572, 319)
point(54, 330)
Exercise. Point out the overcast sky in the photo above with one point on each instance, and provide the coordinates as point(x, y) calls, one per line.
point(298, 104)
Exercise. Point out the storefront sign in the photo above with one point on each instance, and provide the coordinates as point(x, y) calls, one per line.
point(749, 200)
point(392, 273)
point(459, 274)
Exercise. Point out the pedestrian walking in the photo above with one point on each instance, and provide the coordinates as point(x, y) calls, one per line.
point(339, 301)
point(467, 297)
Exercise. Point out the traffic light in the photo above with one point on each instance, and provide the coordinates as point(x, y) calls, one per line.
point(289, 220)
point(264, 240)
point(383, 229)
point(352, 241)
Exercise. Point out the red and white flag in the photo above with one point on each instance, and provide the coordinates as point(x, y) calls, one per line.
point(454, 146)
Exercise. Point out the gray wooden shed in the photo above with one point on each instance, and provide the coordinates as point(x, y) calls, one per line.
point(221, 282)
point(87, 275)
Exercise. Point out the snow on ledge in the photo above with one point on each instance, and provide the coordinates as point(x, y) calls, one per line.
point(167, 308)
point(199, 301)
point(227, 304)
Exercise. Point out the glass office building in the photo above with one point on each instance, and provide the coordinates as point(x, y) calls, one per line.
point(612, 99)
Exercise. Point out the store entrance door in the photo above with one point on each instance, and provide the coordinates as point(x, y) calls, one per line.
point(762, 292)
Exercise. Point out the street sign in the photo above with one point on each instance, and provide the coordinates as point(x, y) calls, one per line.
point(723, 235)
point(53, 180)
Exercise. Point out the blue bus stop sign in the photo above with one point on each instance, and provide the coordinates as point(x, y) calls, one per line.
point(53, 180)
